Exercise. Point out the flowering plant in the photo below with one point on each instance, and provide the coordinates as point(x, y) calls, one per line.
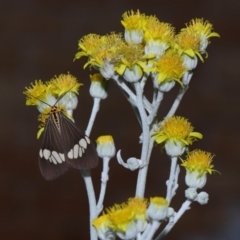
point(150, 50)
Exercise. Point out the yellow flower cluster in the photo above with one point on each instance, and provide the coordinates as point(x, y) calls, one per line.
point(55, 91)
point(121, 217)
point(39, 91)
point(148, 46)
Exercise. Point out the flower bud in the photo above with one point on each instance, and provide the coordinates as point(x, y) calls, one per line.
point(98, 86)
point(158, 208)
point(105, 146)
point(203, 198)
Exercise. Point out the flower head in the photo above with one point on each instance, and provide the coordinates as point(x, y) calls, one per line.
point(169, 67)
point(202, 29)
point(98, 88)
point(122, 220)
point(102, 226)
point(188, 42)
point(158, 208)
point(139, 207)
point(198, 163)
point(59, 92)
point(100, 49)
point(133, 62)
point(105, 146)
point(176, 128)
point(134, 26)
point(176, 132)
point(36, 92)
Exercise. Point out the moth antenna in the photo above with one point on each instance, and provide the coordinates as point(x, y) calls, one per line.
point(56, 101)
point(64, 94)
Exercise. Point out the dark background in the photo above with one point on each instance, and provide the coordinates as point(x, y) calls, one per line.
point(39, 40)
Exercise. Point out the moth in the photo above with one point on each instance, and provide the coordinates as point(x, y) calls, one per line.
point(64, 146)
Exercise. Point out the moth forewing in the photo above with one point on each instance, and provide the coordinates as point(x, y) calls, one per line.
point(79, 150)
point(52, 161)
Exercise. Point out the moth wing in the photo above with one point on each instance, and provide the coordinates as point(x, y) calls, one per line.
point(80, 152)
point(52, 161)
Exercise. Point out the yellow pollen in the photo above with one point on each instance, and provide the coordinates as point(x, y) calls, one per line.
point(177, 127)
point(170, 66)
point(38, 90)
point(132, 53)
point(138, 206)
point(188, 40)
point(101, 221)
point(104, 139)
point(159, 201)
point(89, 44)
point(200, 161)
point(63, 83)
point(156, 30)
point(121, 216)
point(133, 21)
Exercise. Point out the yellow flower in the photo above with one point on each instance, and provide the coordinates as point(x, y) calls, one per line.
point(158, 31)
point(100, 49)
point(37, 91)
point(188, 42)
point(59, 92)
point(201, 27)
point(133, 62)
point(62, 84)
point(88, 45)
point(199, 161)
point(176, 129)
point(134, 27)
point(133, 21)
point(121, 217)
point(102, 224)
point(169, 67)
point(202, 30)
point(138, 206)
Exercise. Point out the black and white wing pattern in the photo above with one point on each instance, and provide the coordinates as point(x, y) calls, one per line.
point(80, 152)
point(52, 161)
point(64, 147)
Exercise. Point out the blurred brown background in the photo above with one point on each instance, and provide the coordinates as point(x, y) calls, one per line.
point(38, 40)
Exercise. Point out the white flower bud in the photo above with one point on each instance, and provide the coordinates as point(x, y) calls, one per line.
point(191, 193)
point(105, 146)
point(134, 163)
point(203, 198)
point(170, 212)
point(98, 86)
point(157, 209)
